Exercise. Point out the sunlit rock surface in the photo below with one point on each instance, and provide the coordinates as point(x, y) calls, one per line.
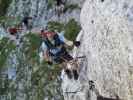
point(106, 41)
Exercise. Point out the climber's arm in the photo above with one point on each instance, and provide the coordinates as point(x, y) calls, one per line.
point(68, 42)
point(46, 56)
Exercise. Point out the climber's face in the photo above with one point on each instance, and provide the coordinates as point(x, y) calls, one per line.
point(49, 36)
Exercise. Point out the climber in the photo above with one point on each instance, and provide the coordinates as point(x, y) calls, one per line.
point(93, 88)
point(14, 31)
point(59, 7)
point(59, 2)
point(26, 21)
point(56, 52)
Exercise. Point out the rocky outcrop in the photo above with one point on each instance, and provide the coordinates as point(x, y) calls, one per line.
point(44, 10)
point(24, 83)
point(106, 40)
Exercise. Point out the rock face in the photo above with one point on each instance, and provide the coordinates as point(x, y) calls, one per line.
point(2, 32)
point(38, 9)
point(106, 39)
point(44, 10)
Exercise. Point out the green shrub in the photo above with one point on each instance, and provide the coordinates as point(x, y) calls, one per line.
point(72, 28)
point(70, 7)
point(4, 4)
point(9, 21)
point(47, 75)
point(31, 46)
point(6, 47)
point(50, 4)
point(34, 40)
point(53, 25)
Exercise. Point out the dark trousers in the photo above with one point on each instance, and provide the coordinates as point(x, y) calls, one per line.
point(62, 56)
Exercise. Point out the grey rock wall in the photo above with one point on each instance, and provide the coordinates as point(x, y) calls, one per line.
point(41, 12)
point(106, 40)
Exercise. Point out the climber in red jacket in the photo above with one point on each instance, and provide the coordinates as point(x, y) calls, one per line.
point(14, 31)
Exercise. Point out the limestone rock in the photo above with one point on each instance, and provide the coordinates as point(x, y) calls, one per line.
point(106, 42)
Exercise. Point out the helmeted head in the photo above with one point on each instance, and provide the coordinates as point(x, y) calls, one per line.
point(47, 34)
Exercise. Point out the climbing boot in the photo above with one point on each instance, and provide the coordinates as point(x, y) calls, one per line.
point(76, 75)
point(76, 43)
point(91, 85)
point(69, 74)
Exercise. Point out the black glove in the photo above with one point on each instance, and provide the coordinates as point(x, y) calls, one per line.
point(76, 43)
point(49, 63)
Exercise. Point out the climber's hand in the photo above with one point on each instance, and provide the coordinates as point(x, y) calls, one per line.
point(76, 43)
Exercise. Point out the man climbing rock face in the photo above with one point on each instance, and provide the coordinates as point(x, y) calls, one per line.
point(59, 7)
point(26, 21)
point(56, 52)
